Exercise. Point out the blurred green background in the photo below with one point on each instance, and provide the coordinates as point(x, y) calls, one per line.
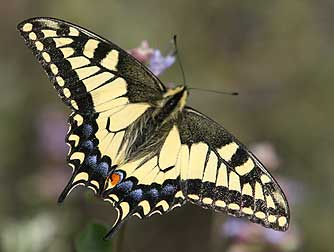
point(278, 54)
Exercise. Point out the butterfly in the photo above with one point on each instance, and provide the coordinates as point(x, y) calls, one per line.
point(136, 144)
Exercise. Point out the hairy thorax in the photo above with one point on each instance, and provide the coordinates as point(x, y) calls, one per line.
point(145, 137)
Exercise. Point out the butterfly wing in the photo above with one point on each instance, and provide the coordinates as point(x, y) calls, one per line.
point(106, 88)
point(219, 173)
point(150, 184)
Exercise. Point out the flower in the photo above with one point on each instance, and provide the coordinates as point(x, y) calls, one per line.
point(142, 53)
point(152, 58)
point(159, 63)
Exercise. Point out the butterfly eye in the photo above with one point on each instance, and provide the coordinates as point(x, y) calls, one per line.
point(172, 102)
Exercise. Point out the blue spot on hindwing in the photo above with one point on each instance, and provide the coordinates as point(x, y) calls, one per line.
point(153, 193)
point(167, 190)
point(91, 160)
point(103, 168)
point(87, 130)
point(88, 145)
point(137, 194)
point(125, 186)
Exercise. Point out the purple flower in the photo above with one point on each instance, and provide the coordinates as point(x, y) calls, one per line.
point(152, 57)
point(143, 53)
point(159, 63)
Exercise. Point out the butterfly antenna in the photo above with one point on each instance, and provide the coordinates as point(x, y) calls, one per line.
point(215, 91)
point(178, 57)
point(176, 53)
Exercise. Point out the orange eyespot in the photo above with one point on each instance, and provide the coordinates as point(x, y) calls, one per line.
point(114, 179)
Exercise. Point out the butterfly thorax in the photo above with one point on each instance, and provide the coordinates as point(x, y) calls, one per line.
point(147, 134)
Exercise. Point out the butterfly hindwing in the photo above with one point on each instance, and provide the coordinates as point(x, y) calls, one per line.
point(221, 174)
point(149, 184)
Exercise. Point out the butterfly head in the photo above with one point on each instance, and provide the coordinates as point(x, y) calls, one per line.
point(176, 97)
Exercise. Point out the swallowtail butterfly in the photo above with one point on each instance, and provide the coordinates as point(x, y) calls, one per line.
point(136, 143)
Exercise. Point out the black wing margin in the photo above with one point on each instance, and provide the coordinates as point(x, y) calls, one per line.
point(219, 173)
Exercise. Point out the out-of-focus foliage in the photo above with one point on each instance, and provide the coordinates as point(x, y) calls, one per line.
point(90, 239)
point(278, 54)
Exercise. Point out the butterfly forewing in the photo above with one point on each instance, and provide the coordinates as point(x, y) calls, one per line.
point(83, 66)
point(221, 174)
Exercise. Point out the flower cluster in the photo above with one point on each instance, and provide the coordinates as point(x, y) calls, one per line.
point(152, 58)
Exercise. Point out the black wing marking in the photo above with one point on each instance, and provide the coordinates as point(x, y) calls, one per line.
point(100, 82)
point(221, 174)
